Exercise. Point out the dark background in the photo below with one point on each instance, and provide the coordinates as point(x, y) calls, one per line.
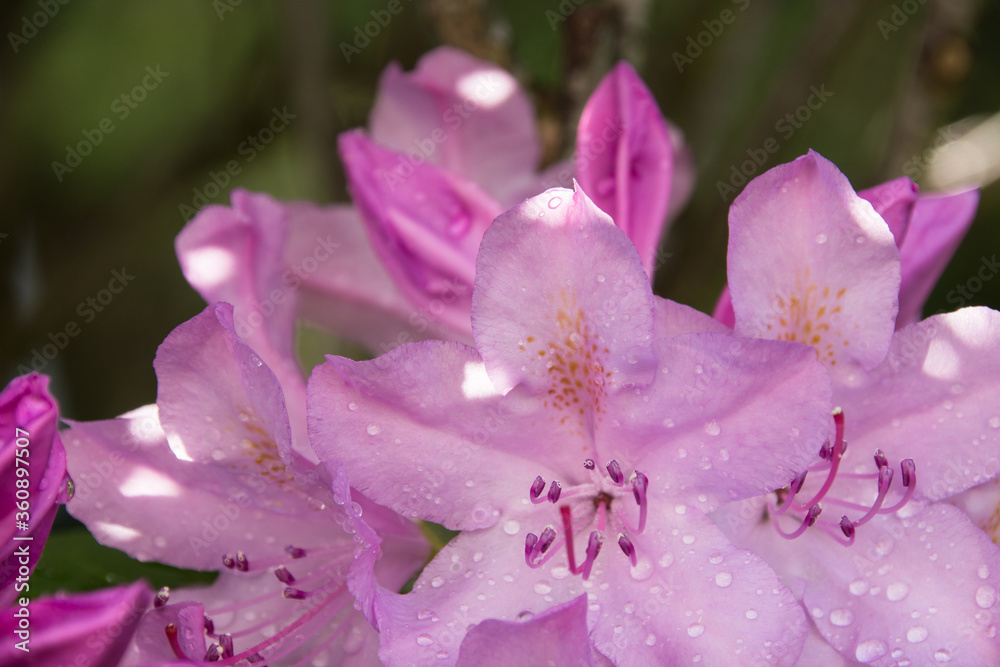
point(229, 65)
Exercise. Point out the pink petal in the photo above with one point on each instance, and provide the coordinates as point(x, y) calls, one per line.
point(724, 309)
point(150, 646)
point(923, 589)
point(938, 225)
point(560, 297)
point(464, 114)
point(134, 494)
point(425, 224)
point(937, 385)
point(624, 158)
point(725, 418)
point(673, 319)
point(29, 442)
point(80, 629)
point(557, 636)
point(811, 261)
point(423, 431)
point(218, 402)
point(894, 201)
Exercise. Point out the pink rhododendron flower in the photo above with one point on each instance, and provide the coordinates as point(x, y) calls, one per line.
point(578, 455)
point(208, 479)
point(454, 145)
point(33, 479)
point(810, 260)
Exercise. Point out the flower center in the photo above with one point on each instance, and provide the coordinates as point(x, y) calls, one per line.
point(808, 511)
point(591, 504)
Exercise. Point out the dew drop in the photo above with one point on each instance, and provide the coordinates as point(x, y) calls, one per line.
point(643, 569)
point(986, 597)
point(858, 587)
point(696, 630)
point(555, 202)
point(983, 571)
point(352, 406)
point(723, 579)
point(712, 428)
point(916, 634)
point(688, 539)
point(666, 559)
point(841, 617)
point(751, 614)
point(424, 614)
point(600, 278)
point(941, 655)
point(680, 509)
point(424, 640)
point(897, 591)
point(511, 526)
point(373, 429)
point(542, 588)
point(668, 423)
point(821, 239)
point(715, 559)
point(650, 640)
point(870, 650)
point(437, 582)
point(995, 421)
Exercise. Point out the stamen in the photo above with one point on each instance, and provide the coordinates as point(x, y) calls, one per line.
point(242, 564)
point(880, 460)
point(295, 552)
point(209, 625)
point(283, 575)
point(293, 594)
point(908, 473)
point(589, 464)
point(593, 548)
point(847, 527)
point(626, 545)
point(214, 653)
point(555, 490)
point(615, 471)
point(536, 489)
point(809, 520)
point(226, 642)
point(162, 597)
point(546, 540)
point(175, 644)
point(639, 485)
point(568, 529)
point(229, 561)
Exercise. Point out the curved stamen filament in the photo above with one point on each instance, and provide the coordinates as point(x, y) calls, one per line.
point(810, 520)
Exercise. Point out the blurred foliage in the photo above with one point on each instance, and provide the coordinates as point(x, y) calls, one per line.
point(231, 63)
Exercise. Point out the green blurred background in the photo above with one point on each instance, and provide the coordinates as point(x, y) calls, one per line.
point(898, 72)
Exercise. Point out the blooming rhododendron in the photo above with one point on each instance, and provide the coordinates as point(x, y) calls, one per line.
point(577, 454)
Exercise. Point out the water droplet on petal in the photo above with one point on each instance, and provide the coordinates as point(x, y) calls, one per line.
point(511, 526)
point(995, 421)
point(841, 617)
point(696, 630)
point(555, 202)
point(666, 559)
point(601, 278)
point(870, 650)
point(650, 640)
point(424, 640)
point(916, 634)
point(983, 571)
point(986, 597)
point(424, 614)
point(858, 587)
point(712, 428)
point(352, 406)
point(437, 582)
point(821, 239)
point(751, 614)
point(723, 579)
point(941, 655)
point(542, 588)
point(373, 429)
point(897, 591)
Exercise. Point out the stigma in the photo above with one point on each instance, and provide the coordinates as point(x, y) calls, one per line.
point(602, 505)
point(807, 507)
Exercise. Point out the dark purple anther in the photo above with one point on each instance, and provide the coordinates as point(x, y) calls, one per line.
point(293, 594)
point(626, 545)
point(639, 485)
point(555, 490)
point(880, 459)
point(242, 564)
point(909, 470)
point(537, 487)
point(229, 561)
point(847, 527)
point(797, 483)
point(615, 472)
point(530, 540)
point(295, 552)
point(593, 548)
point(884, 479)
point(209, 625)
point(283, 575)
point(255, 658)
point(589, 464)
point(813, 514)
point(162, 597)
point(546, 540)
point(826, 451)
point(214, 653)
point(226, 641)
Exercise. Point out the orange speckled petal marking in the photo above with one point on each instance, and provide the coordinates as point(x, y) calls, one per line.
point(811, 261)
point(571, 317)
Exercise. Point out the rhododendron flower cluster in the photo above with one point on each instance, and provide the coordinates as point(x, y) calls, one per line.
point(807, 477)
